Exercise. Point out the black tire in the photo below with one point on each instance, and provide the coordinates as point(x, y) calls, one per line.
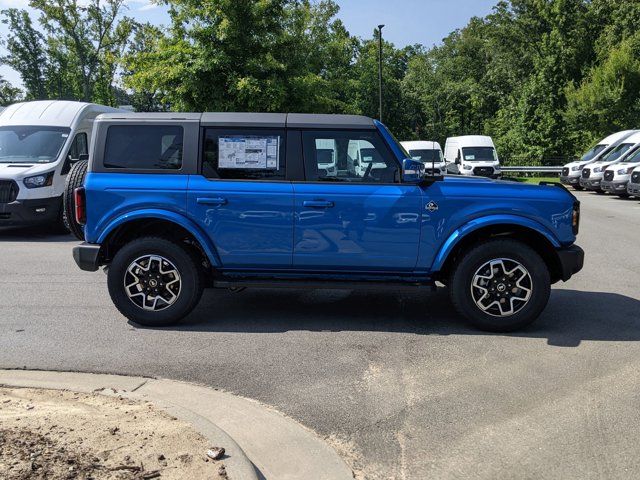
point(623, 195)
point(466, 267)
point(578, 188)
point(59, 225)
point(75, 179)
point(185, 262)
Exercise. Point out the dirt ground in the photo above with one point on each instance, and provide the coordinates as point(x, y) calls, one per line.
point(51, 434)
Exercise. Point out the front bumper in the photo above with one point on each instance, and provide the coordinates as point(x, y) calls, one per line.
point(87, 256)
point(590, 184)
point(30, 211)
point(614, 187)
point(633, 188)
point(571, 261)
point(570, 180)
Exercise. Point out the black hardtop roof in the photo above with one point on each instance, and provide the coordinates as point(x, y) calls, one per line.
point(241, 119)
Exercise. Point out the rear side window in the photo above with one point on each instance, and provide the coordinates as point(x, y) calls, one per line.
point(244, 154)
point(144, 147)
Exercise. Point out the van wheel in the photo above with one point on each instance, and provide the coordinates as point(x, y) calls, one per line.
point(578, 188)
point(75, 179)
point(500, 285)
point(154, 282)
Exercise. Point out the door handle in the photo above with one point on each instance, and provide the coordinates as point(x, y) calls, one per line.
point(317, 204)
point(211, 201)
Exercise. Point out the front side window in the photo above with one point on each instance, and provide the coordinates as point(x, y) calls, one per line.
point(79, 146)
point(144, 147)
point(479, 154)
point(348, 156)
point(20, 144)
point(244, 154)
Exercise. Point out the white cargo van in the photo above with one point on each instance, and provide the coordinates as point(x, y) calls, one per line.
point(592, 174)
point(39, 141)
point(472, 155)
point(572, 171)
point(633, 187)
point(429, 153)
point(617, 176)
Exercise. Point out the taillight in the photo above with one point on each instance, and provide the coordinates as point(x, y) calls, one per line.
point(81, 205)
point(575, 220)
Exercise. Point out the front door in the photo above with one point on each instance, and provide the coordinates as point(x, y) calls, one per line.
point(352, 212)
point(242, 199)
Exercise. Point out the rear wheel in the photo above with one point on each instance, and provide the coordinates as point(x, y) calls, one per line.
point(500, 285)
point(155, 282)
point(75, 179)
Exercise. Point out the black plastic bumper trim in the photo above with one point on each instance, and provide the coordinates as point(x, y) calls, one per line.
point(87, 256)
point(571, 261)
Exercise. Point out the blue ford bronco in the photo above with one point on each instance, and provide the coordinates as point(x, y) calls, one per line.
point(173, 203)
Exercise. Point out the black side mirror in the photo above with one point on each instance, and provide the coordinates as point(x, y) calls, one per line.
point(83, 156)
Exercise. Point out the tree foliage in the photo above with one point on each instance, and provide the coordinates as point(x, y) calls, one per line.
point(544, 77)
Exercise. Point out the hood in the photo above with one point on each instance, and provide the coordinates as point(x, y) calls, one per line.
point(21, 170)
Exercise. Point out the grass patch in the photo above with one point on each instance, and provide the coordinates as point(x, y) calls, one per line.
point(534, 180)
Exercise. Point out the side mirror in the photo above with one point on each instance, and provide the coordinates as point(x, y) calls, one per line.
point(412, 171)
point(83, 156)
point(458, 161)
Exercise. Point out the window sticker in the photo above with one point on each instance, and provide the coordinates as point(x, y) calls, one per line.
point(249, 152)
point(469, 157)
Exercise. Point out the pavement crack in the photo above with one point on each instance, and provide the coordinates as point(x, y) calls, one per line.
point(140, 386)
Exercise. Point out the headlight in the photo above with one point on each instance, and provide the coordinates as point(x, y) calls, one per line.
point(575, 168)
point(467, 167)
point(598, 169)
point(37, 181)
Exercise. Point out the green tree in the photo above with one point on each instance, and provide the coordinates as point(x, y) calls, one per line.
point(26, 52)
point(8, 93)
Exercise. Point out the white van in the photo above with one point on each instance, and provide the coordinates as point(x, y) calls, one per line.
point(572, 171)
point(39, 141)
point(472, 155)
point(617, 176)
point(592, 174)
point(429, 153)
point(633, 187)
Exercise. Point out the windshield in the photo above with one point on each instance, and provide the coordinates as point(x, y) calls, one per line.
point(617, 152)
point(479, 154)
point(592, 153)
point(634, 157)
point(19, 144)
point(427, 155)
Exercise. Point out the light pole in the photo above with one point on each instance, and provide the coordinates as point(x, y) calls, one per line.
point(380, 27)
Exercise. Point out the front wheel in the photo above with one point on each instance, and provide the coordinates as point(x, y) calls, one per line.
point(155, 282)
point(579, 188)
point(500, 285)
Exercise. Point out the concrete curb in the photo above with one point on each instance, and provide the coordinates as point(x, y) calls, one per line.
point(278, 447)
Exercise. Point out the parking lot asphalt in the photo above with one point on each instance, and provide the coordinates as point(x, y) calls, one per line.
point(397, 382)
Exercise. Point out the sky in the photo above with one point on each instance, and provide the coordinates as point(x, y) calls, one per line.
point(407, 22)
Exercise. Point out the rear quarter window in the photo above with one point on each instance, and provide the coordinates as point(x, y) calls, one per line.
point(144, 147)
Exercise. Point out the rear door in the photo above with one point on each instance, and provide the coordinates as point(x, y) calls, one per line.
point(242, 197)
point(360, 218)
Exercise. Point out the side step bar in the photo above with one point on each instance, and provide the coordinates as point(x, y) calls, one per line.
point(320, 284)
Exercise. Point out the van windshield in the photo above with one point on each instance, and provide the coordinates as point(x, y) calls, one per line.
point(427, 155)
point(479, 154)
point(592, 153)
point(617, 152)
point(19, 144)
point(634, 157)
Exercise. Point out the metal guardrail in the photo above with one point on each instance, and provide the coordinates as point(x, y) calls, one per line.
point(541, 169)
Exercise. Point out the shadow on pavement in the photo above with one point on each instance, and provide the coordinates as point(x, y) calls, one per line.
point(571, 316)
point(33, 234)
